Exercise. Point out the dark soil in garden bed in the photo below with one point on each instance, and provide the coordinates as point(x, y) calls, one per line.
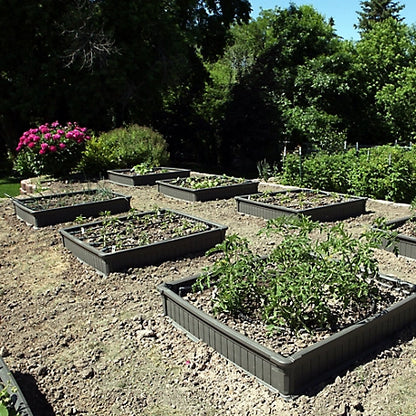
point(52, 201)
point(136, 230)
point(299, 200)
point(100, 345)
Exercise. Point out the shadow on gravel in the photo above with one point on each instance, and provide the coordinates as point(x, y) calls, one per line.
point(35, 399)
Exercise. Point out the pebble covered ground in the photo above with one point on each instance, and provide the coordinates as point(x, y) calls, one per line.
point(80, 343)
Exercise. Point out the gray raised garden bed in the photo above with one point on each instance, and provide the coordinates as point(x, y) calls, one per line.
point(68, 206)
point(293, 374)
point(169, 188)
point(129, 178)
point(16, 395)
point(149, 244)
point(404, 244)
point(318, 205)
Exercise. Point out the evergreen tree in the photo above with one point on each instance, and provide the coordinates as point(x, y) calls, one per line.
point(374, 11)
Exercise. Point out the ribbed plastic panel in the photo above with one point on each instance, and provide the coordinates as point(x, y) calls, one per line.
point(405, 244)
point(123, 176)
point(143, 255)
point(206, 194)
point(8, 380)
point(288, 375)
point(353, 207)
point(41, 218)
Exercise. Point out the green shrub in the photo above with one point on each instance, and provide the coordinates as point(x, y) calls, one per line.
point(382, 172)
point(122, 148)
point(385, 172)
point(327, 172)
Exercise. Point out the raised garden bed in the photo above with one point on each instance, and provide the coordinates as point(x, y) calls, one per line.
point(313, 304)
point(139, 239)
point(206, 188)
point(129, 177)
point(289, 375)
point(318, 205)
point(13, 390)
point(41, 211)
point(404, 242)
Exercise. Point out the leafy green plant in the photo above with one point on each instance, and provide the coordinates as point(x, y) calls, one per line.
point(382, 172)
point(146, 167)
point(265, 169)
point(123, 148)
point(142, 168)
point(315, 272)
point(385, 172)
point(235, 293)
point(6, 404)
point(200, 182)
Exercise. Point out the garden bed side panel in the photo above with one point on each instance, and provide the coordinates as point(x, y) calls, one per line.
point(330, 212)
point(43, 218)
point(143, 255)
point(121, 177)
point(14, 390)
point(206, 194)
point(288, 375)
point(405, 244)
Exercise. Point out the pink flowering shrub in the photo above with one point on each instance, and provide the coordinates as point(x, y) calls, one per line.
point(51, 149)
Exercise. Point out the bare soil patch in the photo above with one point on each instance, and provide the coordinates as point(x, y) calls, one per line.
point(83, 343)
point(408, 228)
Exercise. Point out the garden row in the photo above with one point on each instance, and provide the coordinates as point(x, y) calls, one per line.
point(305, 285)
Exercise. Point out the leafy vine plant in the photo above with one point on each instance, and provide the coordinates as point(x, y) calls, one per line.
point(314, 272)
point(7, 407)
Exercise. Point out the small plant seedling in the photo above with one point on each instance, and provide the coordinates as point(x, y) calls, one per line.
point(6, 404)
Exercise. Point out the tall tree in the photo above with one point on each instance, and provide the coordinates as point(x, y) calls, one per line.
point(374, 11)
point(103, 62)
point(383, 57)
point(259, 84)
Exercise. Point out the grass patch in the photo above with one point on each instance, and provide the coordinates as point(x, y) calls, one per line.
point(10, 186)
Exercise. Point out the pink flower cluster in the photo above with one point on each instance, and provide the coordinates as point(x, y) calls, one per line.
point(51, 138)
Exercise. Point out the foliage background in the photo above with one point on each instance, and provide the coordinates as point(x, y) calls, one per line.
point(226, 91)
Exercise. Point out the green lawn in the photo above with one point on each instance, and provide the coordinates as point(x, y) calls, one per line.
point(9, 185)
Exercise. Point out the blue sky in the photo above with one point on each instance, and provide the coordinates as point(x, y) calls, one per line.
point(343, 12)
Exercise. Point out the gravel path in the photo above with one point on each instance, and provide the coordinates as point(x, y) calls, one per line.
point(81, 343)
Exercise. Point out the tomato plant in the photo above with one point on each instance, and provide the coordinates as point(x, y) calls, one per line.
point(313, 274)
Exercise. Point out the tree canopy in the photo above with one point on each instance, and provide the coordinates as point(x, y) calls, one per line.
point(225, 90)
point(103, 63)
